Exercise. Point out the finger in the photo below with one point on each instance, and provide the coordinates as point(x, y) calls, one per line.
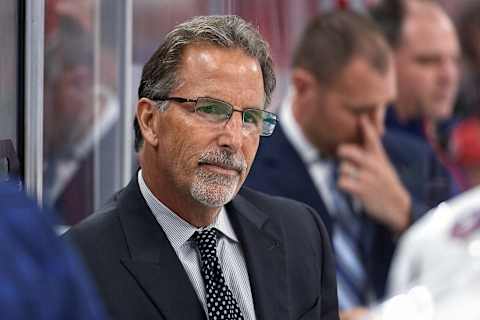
point(350, 178)
point(353, 153)
point(371, 136)
point(347, 168)
point(350, 184)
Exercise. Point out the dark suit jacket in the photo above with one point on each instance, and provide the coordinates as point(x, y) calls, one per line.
point(279, 170)
point(285, 244)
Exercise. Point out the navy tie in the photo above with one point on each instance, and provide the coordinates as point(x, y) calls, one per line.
point(221, 305)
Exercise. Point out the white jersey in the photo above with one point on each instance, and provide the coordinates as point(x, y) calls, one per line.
point(436, 270)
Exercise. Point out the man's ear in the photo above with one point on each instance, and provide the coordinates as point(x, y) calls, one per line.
point(305, 85)
point(146, 111)
point(304, 100)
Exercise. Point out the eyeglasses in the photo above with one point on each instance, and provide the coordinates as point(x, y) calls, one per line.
point(255, 121)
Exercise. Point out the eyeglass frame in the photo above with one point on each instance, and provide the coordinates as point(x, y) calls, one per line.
point(180, 100)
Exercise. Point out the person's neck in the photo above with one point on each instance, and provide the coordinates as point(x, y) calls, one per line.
point(430, 126)
point(404, 113)
point(324, 151)
point(183, 205)
point(198, 215)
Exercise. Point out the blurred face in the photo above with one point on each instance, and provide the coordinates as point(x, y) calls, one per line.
point(427, 65)
point(70, 114)
point(359, 90)
point(198, 160)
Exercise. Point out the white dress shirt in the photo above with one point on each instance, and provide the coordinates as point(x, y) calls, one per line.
point(229, 251)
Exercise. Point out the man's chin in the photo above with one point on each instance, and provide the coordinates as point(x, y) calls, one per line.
point(441, 110)
point(214, 190)
point(213, 198)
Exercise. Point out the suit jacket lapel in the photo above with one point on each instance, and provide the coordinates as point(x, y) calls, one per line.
point(262, 244)
point(153, 263)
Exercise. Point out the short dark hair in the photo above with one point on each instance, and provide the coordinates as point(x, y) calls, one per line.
point(331, 40)
point(390, 16)
point(159, 74)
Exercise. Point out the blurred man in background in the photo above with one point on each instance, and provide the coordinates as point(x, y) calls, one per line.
point(331, 152)
point(427, 55)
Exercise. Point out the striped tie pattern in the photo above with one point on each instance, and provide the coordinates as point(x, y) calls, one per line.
point(351, 274)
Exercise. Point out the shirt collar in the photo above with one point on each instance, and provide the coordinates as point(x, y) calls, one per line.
point(178, 230)
point(294, 134)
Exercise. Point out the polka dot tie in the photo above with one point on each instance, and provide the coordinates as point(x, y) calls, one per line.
point(220, 302)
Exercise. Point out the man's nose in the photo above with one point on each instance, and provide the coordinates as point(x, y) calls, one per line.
point(232, 132)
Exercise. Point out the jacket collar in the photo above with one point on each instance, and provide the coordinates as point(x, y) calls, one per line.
point(157, 269)
point(263, 246)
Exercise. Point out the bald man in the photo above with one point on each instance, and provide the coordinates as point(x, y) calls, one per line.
point(426, 52)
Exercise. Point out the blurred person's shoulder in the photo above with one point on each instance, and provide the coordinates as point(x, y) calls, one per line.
point(451, 219)
point(34, 259)
point(406, 144)
point(447, 235)
point(411, 157)
point(295, 218)
point(21, 219)
point(275, 206)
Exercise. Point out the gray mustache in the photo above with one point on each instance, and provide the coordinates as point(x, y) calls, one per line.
point(224, 159)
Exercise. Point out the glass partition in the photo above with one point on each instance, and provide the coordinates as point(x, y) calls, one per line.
point(82, 147)
point(9, 14)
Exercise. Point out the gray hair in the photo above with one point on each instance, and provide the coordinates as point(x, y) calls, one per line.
point(159, 76)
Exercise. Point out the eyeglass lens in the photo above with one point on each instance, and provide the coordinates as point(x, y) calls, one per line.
point(254, 120)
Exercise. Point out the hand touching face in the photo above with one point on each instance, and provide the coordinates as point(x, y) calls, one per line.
point(366, 173)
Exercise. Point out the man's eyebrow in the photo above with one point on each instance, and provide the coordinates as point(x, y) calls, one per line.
point(426, 57)
point(261, 107)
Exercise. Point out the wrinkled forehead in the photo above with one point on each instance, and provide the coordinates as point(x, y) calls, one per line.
point(213, 59)
point(228, 74)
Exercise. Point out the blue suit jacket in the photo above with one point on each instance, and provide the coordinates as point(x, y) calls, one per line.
point(279, 170)
point(40, 277)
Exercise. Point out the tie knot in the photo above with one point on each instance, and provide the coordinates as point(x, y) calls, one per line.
point(206, 240)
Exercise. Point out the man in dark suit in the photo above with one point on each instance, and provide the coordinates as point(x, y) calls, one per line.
point(40, 276)
point(329, 152)
point(184, 240)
